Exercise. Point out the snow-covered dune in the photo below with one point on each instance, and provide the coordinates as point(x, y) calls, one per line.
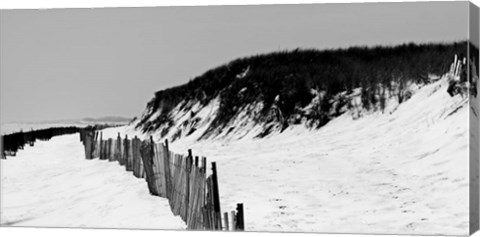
point(53, 185)
point(401, 171)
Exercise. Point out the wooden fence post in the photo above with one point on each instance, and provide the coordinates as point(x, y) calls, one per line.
point(126, 150)
point(110, 148)
point(134, 162)
point(88, 144)
point(105, 149)
point(203, 196)
point(225, 216)
point(160, 168)
point(168, 177)
point(95, 147)
point(147, 154)
point(187, 186)
point(118, 150)
point(92, 144)
point(142, 170)
point(139, 167)
point(134, 156)
point(121, 150)
point(138, 160)
point(233, 223)
point(130, 155)
point(178, 181)
point(216, 198)
point(240, 218)
point(100, 150)
point(204, 164)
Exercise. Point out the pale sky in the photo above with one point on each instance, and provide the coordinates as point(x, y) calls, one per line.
point(76, 63)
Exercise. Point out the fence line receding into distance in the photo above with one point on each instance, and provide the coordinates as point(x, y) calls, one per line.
point(11, 143)
point(182, 179)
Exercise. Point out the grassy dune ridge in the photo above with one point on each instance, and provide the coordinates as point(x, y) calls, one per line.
point(285, 83)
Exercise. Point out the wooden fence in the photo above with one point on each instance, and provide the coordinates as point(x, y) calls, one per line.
point(11, 143)
point(182, 179)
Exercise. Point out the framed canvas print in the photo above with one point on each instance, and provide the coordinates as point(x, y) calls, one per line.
point(358, 118)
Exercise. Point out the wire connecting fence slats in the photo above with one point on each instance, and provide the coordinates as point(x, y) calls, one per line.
point(182, 179)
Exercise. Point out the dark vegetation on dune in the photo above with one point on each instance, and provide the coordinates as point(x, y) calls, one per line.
point(285, 80)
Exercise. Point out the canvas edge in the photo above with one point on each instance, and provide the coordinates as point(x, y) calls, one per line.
point(474, 168)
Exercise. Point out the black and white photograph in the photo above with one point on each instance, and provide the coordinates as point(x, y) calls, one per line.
point(350, 118)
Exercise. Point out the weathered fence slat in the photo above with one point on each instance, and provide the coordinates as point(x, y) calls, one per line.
point(240, 218)
point(158, 168)
point(233, 220)
point(88, 144)
point(135, 151)
point(129, 165)
point(225, 217)
point(106, 148)
point(95, 145)
point(216, 197)
point(102, 150)
point(111, 150)
point(168, 178)
point(147, 154)
point(188, 168)
point(138, 170)
point(100, 144)
point(118, 149)
point(121, 150)
point(126, 151)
